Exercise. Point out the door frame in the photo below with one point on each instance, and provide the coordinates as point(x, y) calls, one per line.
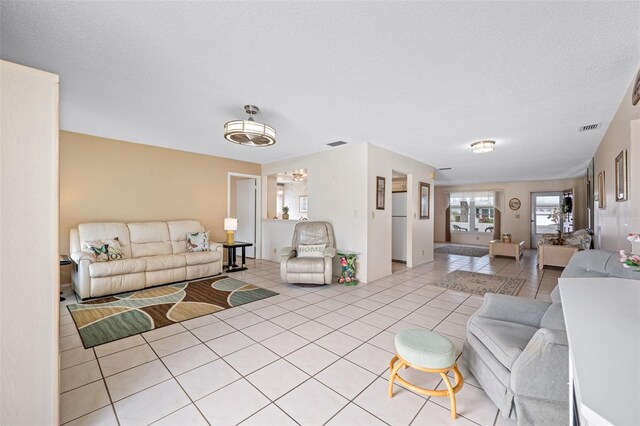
point(533, 242)
point(258, 245)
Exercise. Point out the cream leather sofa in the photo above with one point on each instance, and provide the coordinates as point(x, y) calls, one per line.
point(155, 253)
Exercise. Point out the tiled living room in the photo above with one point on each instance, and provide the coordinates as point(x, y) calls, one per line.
point(263, 365)
point(319, 212)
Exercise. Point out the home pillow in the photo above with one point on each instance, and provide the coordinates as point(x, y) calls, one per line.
point(311, 250)
point(198, 241)
point(105, 250)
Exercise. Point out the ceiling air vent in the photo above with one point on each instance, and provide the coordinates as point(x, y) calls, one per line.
point(444, 168)
point(589, 127)
point(337, 143)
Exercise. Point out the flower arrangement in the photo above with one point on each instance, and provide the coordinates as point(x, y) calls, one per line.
point(632, 260)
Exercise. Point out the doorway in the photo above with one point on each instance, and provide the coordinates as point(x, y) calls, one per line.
point(398, 220)
point(551, 211)
point(243, 201)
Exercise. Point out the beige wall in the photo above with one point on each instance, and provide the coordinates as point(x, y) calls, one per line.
point(109, 180)
point(519, 228)
point(619, 218)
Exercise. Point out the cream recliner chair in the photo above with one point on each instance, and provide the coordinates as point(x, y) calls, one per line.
point(309, 270)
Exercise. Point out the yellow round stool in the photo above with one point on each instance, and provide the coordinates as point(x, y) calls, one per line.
point(430, 352)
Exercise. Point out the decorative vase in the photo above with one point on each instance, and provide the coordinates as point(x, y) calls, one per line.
point(285, 216)
point(506, 238)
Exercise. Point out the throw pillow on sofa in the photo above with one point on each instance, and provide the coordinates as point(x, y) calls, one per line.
point(311, 250)
point(105, 250)
point(198, 241)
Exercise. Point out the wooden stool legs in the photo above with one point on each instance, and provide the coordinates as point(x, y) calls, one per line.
point(451, 391)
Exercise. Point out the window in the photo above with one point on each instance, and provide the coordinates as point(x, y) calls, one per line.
point(472, 212)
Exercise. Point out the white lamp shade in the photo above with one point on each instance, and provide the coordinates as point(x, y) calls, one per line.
point(230, 224)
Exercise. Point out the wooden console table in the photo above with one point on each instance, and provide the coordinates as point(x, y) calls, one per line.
point(498, 248)
point(552, 255)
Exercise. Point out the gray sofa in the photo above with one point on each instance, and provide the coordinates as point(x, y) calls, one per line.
point(517, 348)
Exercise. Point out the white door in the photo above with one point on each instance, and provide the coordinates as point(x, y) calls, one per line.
point(246, 212)
point(544, 214)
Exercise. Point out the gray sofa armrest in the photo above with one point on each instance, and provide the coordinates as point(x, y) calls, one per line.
point(547, 352)
point(215, 247)
point(513, 309)
point(288, 252)
point(329, 252)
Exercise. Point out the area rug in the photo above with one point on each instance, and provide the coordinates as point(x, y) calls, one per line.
point(473, 282)
point(122, 315)
point(462, 250)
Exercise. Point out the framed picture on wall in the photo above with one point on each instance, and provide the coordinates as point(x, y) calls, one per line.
point(622, 186)
point(601, 194)
point(425, 195)
point(303, 204)
point(380, 188)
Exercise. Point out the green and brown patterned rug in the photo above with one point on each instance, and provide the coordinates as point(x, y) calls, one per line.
point(473, 282)
point(122, 315)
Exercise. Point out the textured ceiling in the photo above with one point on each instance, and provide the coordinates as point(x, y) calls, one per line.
point(423, 79)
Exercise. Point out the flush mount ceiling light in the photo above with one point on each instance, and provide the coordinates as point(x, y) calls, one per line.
point(249, 132)
point(482, 146)
point(299, 175)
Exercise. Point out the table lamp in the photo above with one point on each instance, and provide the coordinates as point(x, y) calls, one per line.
point(230, 225)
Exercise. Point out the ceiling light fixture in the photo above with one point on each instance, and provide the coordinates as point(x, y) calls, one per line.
point(249, 132)
point(482, 146)
point(299, 175)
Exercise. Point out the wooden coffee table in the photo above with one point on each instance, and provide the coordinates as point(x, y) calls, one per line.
point(498, 248)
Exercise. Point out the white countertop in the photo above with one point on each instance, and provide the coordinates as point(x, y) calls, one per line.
point(602, 316)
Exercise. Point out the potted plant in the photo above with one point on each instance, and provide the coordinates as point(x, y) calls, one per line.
point(285, 213)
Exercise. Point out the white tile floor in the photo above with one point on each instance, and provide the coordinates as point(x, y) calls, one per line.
point(309, 356)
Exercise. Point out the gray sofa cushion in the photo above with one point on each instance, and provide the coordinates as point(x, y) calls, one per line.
point(505, 340)
point(597, 263)
point(553, 318)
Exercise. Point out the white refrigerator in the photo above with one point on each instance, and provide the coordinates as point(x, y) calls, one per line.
point(399, 226)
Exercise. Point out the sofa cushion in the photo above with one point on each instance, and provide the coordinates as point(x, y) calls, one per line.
point(505, 340)
point(116, 267)
point(106, 231)
point(582, 241)
point(164, 261)
point(305, 265)
point(178, 230)
point(197, 241)
point(200, 258)
point(149, 238)
point(553, 318)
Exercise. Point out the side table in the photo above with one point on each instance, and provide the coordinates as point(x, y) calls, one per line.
point(555, 255)
point(498, 248)
point(348, 264)
point(64, 260)
point(231, 255)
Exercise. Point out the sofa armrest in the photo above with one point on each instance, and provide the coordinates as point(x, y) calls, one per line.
point(215, 247)
point(513, 309)
point(79, 256)
point(289, 252)
point(542, 369)
point(329, 252)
